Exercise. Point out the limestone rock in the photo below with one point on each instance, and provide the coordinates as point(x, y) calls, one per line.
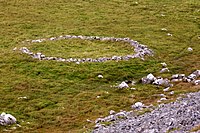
point(162, 82)
point(100, 76)
point(166, 89)
point(164, 70)
point(163, 64)
point(190, 49)
point(148, 79)
point(7, 119)
point(123, 85)
point(138, 105)
point(197, 82)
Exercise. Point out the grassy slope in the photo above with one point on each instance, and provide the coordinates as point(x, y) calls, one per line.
point(62, 96)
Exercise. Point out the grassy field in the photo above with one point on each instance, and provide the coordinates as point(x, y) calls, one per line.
point(62, 96)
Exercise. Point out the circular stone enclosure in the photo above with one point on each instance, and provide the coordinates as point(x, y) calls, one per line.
point(77, 48)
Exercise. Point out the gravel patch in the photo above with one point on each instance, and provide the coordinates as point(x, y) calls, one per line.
point(178, 117)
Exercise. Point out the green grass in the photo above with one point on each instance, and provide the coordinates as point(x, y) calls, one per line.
point(62, 96)
point(77, 48)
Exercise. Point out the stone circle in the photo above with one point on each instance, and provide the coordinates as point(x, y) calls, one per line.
point(140, 50)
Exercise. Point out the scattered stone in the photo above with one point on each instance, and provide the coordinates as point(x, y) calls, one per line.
point(133, 83)
point(76, 62)
point(171, 93)
point(151, 77)
point(148, 79)
point(89, 120)
point(22, 97)
point(123, 85)
point(162, 82)
point(163, 64)
point(162, 95)
point(98, 96)
point(164, 70)
point(197, 82)
point(25, 50)
point(177, 77)
point(169, 34)
point(190, 49)
point(133, 88)
point(192, 77)
point(166, 89)
point(164, 29)
point(181, 115)
point(138, 105)
point(163, 99)
point(7, 119)
point(18, 125)
point(107, 92)
point(176, 80)
point(113, 117)
point(162, 15)
point(112, 112)
point(197, 73)
point(100, 76)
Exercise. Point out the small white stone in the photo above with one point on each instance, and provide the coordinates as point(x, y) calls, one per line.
point(164, 29)
point(78, 63)
point(15, 49)
point(162, 15)
point(19, 125)
point(112, 112)
point(171, 93)
point(133, 82)
point(164, 70)
point(42, 56)
point(190, 49)
point(162, 82)
point(162, 95)
point(197, 82)
point(123, 85)
point(166, 89)
point(88, 120)
point(175, 76)
point(98, 96)
point(169, 34)
point(107, 92)
point(163, 64)
point(133, 88)
point(100, 76)
point(163, 99)
point(176, 80)
point(8, 118)
point(22, 97)
point(139, 105)
point(151, 77)
point(192, 76)
point(52, 38)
